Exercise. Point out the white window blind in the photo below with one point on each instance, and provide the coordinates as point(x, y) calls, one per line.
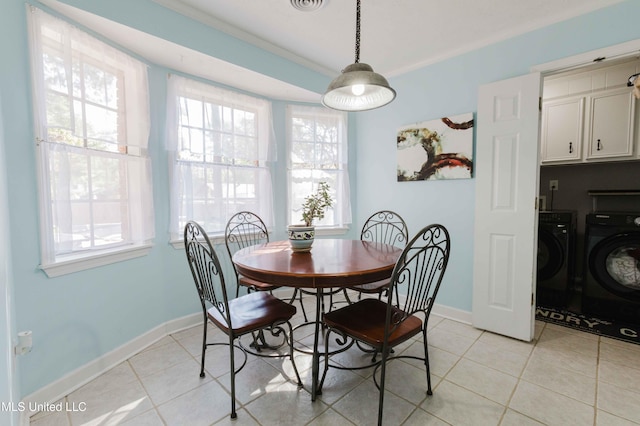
point(317, 142)
point(92, 127)
point(220, 143)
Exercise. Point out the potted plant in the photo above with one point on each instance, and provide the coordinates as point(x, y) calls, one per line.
point(314, 207)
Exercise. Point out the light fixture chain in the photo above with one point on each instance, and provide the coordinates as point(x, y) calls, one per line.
point(357, 31)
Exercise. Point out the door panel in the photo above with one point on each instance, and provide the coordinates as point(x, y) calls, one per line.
point(507, 158)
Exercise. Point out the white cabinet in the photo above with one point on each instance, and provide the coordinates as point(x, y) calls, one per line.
point(590, 116)
point(611, 125)
point(562, 127)
point(590, 128)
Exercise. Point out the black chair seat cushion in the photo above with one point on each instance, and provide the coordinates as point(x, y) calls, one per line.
point(365, 319)
point(253, 312)
point(258, 285)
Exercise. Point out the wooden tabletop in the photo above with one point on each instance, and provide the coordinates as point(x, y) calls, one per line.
point(330, 263)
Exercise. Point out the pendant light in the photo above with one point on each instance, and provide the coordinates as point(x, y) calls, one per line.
point(358, 88)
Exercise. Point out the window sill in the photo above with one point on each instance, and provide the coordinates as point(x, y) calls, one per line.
point(80, 263)
point(331, 231)
point(178, 244)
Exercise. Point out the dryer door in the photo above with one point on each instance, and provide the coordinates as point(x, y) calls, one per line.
point(615, 264)
point(550, 254)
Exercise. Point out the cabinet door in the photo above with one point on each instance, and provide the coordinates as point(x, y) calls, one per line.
point(562, 124)
point(611, 125)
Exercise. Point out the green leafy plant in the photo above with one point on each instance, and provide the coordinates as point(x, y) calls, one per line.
point(316, 204)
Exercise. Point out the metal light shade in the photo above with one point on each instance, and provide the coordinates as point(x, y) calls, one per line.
point(358, 88)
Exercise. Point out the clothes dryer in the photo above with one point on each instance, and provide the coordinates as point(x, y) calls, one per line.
point(611, 288)
point(556, 258)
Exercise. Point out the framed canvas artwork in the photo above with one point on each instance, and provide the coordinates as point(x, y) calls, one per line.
point(436, 149)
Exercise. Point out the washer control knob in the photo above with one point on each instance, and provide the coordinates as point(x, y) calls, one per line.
point(636, 221)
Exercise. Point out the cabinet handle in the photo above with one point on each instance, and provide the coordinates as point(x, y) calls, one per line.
point(599, 145)
point(570, 147)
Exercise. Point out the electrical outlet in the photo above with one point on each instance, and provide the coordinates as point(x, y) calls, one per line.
point(542, 203)
point(553, 185)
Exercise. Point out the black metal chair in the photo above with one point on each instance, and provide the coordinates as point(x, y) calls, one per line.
point(246, 229)
point(383, 325)
point(256, 312)
point(386, 227)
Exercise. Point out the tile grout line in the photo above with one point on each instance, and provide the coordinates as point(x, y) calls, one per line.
point(520, 379)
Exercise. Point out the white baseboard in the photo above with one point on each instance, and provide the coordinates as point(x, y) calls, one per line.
point(83, 375)
point(452, 313)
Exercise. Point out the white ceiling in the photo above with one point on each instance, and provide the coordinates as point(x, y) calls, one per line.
point(397, 36)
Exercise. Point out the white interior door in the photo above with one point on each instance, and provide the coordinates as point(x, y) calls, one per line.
point(507, 175)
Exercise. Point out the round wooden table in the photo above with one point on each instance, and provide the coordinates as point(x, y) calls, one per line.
point(331, 263)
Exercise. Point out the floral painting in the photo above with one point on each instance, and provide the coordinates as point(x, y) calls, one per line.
point(436, 149)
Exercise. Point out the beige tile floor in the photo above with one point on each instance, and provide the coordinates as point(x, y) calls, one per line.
point(563, 377)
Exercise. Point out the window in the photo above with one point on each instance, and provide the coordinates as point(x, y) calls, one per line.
point(92, 127)
point(318, 152)
point(220, 142)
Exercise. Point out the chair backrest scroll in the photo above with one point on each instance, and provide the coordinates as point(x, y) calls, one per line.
point(205, 269)
point(385, 227)
point(419, 270)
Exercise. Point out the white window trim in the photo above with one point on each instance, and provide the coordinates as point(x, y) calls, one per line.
point(81, 263)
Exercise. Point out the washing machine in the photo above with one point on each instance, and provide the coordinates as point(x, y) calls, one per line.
point(556, 258)
point(611, 288)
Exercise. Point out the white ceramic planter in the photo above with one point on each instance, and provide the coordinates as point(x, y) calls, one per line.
point(301, 237)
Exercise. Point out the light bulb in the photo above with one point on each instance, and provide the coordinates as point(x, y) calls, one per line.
point(357, 89)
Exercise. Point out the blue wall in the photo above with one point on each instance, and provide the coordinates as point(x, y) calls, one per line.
point(450, 88)
point(78, 317)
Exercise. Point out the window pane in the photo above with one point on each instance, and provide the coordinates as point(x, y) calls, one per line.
point(317, 153)
point(77, 169)
point(191, 112)
point(303, 155)
point(58, 110)
point(106, 176)
point(226, 119)
point(192, 144)
point(219, 117)
point(302, 130)
point(102, 127)
point(245, 123)
point(79, 233)
point(328, 156)
point(55, 75)
point(245, 150)
point(78, 125)
point(100, 87)
point(107, 219)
